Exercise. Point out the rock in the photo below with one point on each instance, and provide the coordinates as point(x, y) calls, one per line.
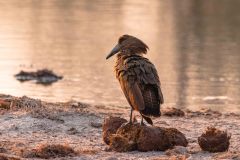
point(110, 126)
point(43, 76)
point(214, 140)
point(131, 137)
point(173, 112)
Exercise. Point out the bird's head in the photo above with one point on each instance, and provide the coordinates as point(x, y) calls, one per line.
point(128, 45)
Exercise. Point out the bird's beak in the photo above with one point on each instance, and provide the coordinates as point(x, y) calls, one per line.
point(115, 50)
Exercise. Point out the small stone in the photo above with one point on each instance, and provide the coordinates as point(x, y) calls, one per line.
point(72, 131)
point(74, 104)
point(96, 124)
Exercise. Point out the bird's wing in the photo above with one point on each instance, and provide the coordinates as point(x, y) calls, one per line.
point(128, 80)
point(134, 73)
point(151, 77)
point(132, 92)
point(146, 74)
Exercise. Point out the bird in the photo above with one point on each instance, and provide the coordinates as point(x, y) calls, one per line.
point(138, 78)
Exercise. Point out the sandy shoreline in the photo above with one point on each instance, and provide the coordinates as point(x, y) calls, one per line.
point(27, 124)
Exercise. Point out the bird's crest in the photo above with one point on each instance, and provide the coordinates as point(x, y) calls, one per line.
point(132, 45)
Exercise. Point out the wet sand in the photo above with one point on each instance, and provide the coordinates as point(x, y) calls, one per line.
point(28, 124)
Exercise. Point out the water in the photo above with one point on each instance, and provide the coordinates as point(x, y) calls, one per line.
point(193, 43)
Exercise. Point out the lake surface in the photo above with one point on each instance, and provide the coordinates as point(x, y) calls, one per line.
point(193, 43)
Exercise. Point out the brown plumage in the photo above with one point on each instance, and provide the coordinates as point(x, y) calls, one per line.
point(138, 77)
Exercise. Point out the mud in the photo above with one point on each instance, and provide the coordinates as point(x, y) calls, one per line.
point(173, 112)
point(110, 127)
point(214, 140)
point(129, 137)
point(28, 123)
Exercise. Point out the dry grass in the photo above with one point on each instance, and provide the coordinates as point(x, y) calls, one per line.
point(50, 151)
point(8, 157)
point(88, 151)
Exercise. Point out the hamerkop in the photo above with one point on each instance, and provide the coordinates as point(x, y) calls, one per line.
point(138, 77)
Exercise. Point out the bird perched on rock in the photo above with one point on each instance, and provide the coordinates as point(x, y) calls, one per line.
point(138, 77)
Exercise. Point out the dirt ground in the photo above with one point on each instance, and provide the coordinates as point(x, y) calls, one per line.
point(31, 129)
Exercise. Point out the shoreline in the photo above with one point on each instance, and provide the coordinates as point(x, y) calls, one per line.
point(28, 123)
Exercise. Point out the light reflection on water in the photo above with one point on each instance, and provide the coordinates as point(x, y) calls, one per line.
point(194, 44)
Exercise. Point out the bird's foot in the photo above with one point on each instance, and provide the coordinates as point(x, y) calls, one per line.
point(142, 124)
point(128, 123)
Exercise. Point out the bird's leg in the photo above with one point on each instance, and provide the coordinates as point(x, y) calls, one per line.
point(142, 124)
point(130, 121)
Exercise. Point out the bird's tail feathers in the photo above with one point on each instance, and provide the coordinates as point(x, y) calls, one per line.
point(149, 120)
point(152, 111)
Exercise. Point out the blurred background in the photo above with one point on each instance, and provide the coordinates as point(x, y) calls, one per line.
point(193, 43)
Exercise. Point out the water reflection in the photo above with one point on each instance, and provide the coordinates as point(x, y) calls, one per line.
point(193, 43)
point(206, 48)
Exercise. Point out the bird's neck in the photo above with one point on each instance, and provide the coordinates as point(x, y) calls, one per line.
point(126, 54)
point(121, 58)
